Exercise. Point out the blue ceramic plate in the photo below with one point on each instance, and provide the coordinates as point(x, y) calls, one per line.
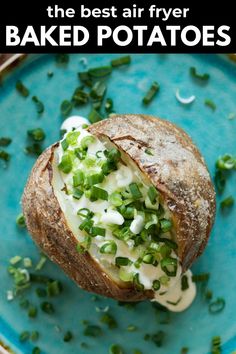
point(214, 134)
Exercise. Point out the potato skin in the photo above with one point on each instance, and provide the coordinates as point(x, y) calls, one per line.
point(46, 223)
point(176, 168)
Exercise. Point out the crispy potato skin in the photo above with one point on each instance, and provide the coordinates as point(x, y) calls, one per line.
point(46, 223)
point(176, 168)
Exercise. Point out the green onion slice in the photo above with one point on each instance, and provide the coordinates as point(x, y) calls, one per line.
point(109, 247)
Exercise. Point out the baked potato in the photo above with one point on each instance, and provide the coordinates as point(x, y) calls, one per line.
point(124, 207)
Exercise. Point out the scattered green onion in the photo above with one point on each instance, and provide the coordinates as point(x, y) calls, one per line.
point(148, 259)
point(36, 350)
point(169, 266)
point(116, 199)
point(36, 134)
point(184, 350)
point(121, 61)
point(80, 249)
point(131, 328)
point(16, 259)
point(226, 162)
point(54, 288)
point(85, 78)
point(40, 292)
point(138, 286)
point(122, 261)
point(98, 90)
point(196, 75)
point(97, 231)
point(62, 59)
point(115, 349)
point(220, 180)
point(47, 307)
point(41, 262)
point(151, 93)
point(148, 152)
point(50, 74)
point(27, 262)
point(86, 141)
point(100, 72)
point(32, 311)
point(77, 193)
point(134, 189)
point(98, 193)
point(66, 107)
point(20, 220)
point(184, 283)
point(158, 338)
point(24, 336)
point(94, 179)
point(216, 345)
point(80, 97)
point(22, 89)
point(109, 320)
point(34, 149)
point(85, 213)
point(68, 336)
point(217, 306)
point(34, 336)
point(109, 247)
point(5, 156)
point(92, 331)
point(78, 178)
point(66, 164)
point(5, 141)
point(39, 105)
point(209, 103)
point(227, 202)
point(94, 116)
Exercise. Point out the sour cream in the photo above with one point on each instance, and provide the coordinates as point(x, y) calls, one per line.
point(73, 122)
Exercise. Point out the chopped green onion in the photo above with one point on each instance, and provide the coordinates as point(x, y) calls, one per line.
point(66, 164)
point(151, 93)
point(196, 75)
point(109, 320)
point(62, 59)
point(80, 97)
point(36, 350)
point(22, 89)
point(169, 266)
point(34, 336)
point(99, 154)
point(89, 161)
point(158, 338)
point(138, 286)
point(24, 336)
point(109, 247)
point(137, 351)
point(92, 331)
point(5, 141)
point(54, 288)
point(38, 278)
point(121, 61)
point(208, 294)
point(226, 162)
point(72, 137)
point(131, 328)
point(148, 152)
point(152, 194)
point(203, 277)
point(209, 103)
point(94, 179)
point(32, 311)
point(156, 285)
point(78, 178)
point(98, 90)
point(227, 202)
point(165, 251)
point(116, 199)
point(27, 262)
point(20, 220)
point(115, 349)
point(40, 292)
point(86, 141)
point(97, 231)
point(39, 105)
point(66, 108)
point(88, 213)
point(86, 225)
point(124, 275)
point(217, 306)
point(34, 149)
point(122, 261)
point(127, 212)
point(94, 116)
point(47, 307)
point(80, 249)
point(108, 105)
point(36, 134)
point(216, 345)
point(184, 283)
point(184, 350)
point(50, 74)
point(166, 225)
point(171, 244)
point(100, 71)
point(134, 189)
point(68, 336)
point(148, 259)
point(99, 193)
point(24, 303)
point(77, 193)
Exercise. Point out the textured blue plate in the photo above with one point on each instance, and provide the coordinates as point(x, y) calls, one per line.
point(213, 133)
